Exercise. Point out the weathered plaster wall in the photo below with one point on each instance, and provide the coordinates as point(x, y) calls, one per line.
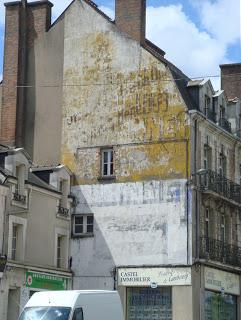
point(142, 223)
point(43, 118)
point(116, 93)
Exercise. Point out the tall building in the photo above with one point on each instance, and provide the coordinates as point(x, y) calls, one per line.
point(156, 157)
point(34, 230)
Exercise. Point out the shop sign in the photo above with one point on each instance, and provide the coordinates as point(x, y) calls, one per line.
point(45, 281)
point(221, 281)
point(158, 276)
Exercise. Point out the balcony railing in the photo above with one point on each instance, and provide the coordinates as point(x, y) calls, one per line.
point(63, 211)
point(216, 250)
point(225, 124)
point(19, 197)
point(211, 181)
point(211, 115)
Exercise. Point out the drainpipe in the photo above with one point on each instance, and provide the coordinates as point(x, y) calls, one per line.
point(196, 193)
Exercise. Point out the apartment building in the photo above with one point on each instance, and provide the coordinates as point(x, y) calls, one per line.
point(34, 230)
point(155, 157)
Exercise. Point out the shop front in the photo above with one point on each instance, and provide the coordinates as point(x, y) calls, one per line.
point(221, 295)
point(155, 293)
point(18, 284)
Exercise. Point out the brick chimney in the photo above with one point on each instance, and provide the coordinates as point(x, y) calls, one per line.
point(130, 17)
point(231, 79)
point(24, 23)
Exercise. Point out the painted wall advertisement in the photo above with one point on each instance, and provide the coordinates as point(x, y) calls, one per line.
point(153, 277)
point(221, 281)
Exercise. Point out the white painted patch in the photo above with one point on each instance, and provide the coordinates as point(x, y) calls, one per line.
point(142, 223)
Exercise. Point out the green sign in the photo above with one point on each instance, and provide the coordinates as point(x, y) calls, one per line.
point(45, 281)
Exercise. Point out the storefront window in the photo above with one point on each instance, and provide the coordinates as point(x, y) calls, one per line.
point(220, 306)
point(149, 304)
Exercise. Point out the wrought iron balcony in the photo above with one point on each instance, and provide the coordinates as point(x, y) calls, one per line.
point(63, 211)
point(211, 181)
point(19, 197)
point(225, 124)
point(216, 250)
point(211, 115)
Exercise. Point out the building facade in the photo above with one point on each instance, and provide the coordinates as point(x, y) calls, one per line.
point(34, 231)
point(156, 159)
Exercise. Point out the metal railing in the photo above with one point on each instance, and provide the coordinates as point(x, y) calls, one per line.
point(225, 124)
point(216, 250)
point(211, 115)
point(209, 180)
point(19, 197)
point(63, 211)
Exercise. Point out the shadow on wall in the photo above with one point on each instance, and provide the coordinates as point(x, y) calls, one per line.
point(92, 261)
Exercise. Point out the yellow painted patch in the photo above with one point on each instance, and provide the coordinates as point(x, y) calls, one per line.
point(137, 110)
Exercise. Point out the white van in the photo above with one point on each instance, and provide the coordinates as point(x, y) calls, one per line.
point(73, 305)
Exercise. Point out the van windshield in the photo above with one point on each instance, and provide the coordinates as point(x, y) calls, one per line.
point(45, 313)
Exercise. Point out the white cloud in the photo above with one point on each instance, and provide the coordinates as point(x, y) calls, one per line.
point(221, 18)
point(197, 50)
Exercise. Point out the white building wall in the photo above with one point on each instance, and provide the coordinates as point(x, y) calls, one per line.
point(136, 224)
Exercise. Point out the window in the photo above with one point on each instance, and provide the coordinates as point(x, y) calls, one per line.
point(46, 313)
point(223, 228)
point(59, 253)
point(222, 112)
point(220, 306)
point(147, 303)
point(20, 175)
point(107, 163)
point(63, 188)
point(78, 314)
point(222, 163)
point(14, 241)
point(207, 105)
point(207, 223)
point(17, 238)
point(63, 209)
point(207, 157)
point(83, 225)
point(61, 248)
point(207, 230)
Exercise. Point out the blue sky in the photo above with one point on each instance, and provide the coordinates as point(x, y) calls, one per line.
point(197, 35)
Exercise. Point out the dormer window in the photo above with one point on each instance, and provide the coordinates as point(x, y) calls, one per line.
point(19, 194)
point(63, 203)
point(222, 112)
point(207, 105)
point(20, 175)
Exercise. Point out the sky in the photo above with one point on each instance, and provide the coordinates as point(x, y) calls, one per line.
point(197, 35)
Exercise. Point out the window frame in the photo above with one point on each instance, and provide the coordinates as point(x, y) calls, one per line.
point(21, 228)
point(63, 234)
point(85, 225)
point(109, 163)
point(14, 241)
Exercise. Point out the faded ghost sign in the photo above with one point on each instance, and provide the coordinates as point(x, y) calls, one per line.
point(221, 281)
point(159, 276)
